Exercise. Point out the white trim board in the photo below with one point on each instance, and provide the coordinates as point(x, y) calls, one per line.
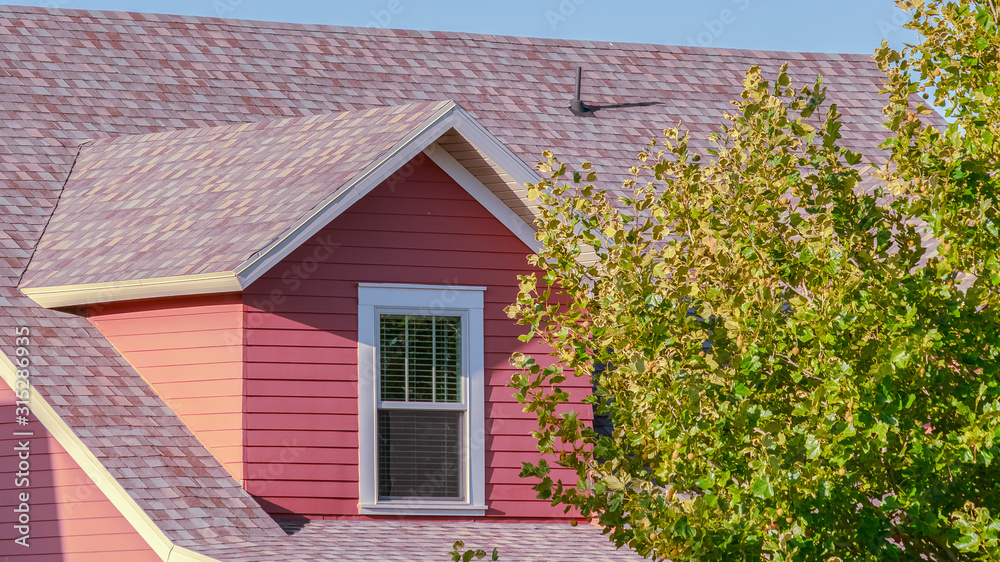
point(451, 116)
point(362, 184)
point(115, 291)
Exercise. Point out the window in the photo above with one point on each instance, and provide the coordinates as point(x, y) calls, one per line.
point(421, 399)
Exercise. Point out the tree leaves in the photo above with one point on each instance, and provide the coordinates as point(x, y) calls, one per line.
point(457, 555)
point(781, 332)
point(812, 447)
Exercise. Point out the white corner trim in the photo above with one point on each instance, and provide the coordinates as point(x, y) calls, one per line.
point(359, 186)
point(95, 293)
point(484, 196)
point(99, 475)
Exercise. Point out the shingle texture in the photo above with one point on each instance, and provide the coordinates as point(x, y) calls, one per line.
point(397, 541)
point(68, 77)
point(204, 200)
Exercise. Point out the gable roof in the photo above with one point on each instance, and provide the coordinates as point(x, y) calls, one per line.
point(209, 210)
point(69, 76)
point(150, 204)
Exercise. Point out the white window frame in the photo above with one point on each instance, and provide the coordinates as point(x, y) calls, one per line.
point(393, 298)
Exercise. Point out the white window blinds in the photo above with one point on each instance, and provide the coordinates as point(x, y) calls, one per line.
point(420, 358)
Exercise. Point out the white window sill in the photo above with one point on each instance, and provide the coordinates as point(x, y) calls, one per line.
point(422, 508)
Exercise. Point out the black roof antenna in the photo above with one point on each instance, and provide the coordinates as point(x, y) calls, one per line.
point(577, 106)
point(583, 110)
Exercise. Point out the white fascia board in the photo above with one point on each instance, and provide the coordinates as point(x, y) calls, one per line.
point(98, 474)
point(113, 291)
point(397, 157)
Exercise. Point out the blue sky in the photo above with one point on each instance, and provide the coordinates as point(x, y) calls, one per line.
point(850, 26)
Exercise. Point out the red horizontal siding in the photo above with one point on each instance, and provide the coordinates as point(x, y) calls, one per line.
point(334, 453)
point(323, 476)
point(192, 373)
point(190, 350)
point(293, 421)
point(266, 444)
point(310, 320)
point(179, 357)
point(71, 520)
point(358, 220)
point(401, 274)
point(301, 355)
point(421, 240)
point(261, 386)
point(300, 338)
point(295, 404)
point(163, 325)
point(295, 372)
point(298, 505)
point(309, 355)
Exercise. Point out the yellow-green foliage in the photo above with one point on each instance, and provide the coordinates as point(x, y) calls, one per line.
point(791, 373)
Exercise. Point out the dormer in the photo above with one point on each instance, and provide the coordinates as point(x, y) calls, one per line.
point(319, 299)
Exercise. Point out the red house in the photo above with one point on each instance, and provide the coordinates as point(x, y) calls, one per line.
point(255, 277)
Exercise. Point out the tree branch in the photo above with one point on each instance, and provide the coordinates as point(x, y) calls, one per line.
point(943, 546)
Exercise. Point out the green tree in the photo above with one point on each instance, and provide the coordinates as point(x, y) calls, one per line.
point(792, 372)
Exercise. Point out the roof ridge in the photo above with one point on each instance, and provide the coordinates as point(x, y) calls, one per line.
point(276, 123)
point(439, 34)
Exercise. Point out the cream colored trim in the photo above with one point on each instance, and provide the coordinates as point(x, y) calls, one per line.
point(451, 116)
point(93, 293)
point(105, 482)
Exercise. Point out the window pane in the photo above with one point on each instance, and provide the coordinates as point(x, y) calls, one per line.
point(392, 356)
point(448, 332)
point(420, 355)
point(420, 358)
point(419, 454)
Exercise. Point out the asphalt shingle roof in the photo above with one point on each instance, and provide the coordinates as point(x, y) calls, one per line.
point(193, 201)
point(68, 77)
point(397, 541)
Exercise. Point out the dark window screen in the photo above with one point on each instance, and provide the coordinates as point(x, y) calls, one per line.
point(419, 454)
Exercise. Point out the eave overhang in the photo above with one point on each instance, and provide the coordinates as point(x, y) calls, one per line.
point(451, 117)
